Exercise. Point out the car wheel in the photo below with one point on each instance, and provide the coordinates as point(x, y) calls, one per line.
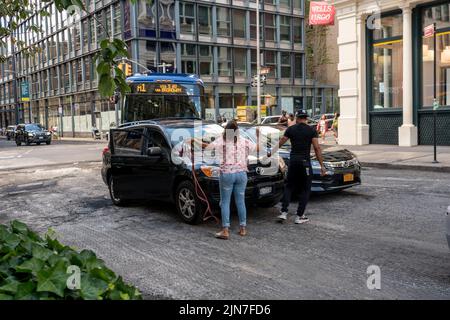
point(38, 143)
point(115, 198)
point(48, 142)
point(188, 205)
point(27, 142)
point(18, 143)
point(8, 138)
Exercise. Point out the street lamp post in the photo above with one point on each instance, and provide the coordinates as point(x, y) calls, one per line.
point(258, 67)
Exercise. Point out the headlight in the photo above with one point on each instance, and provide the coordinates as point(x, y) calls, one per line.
point(47, 133)
point(30, 134)
point(316, 165)
point(210, 171)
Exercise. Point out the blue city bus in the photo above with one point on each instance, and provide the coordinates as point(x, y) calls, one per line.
point(163, 95)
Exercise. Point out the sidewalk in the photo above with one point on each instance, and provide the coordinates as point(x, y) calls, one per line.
point(391, 156)
point(87, 140)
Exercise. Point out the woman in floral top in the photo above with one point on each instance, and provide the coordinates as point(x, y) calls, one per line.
point(232, 151)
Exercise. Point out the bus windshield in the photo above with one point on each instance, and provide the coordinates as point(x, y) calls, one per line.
point(163, 100)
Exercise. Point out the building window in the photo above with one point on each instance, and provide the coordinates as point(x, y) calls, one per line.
point(147, 54)
point(285, 4)
point(298, 30)
point(387, 64)
point(86, 32)
point(223, 22)
point(285, 28)
point(298, 4)
point(438, 14)
point(168, 57)
point(92, 32)
point(187, 18)
point(240, 62)
point(87, 74)
point(188, 58)
point(108, 20)
point(270, 60)
point(204, 20)
point(286, 65)
point(253, 25)
point(117, 25)
point(101, 32)
point(54, 78)
point(224, 61)
point(298, 63)
point(239, 23)
point(76, 36)
point(205, 60)
point(269, 27)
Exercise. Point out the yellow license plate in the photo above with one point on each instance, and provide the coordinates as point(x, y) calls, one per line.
point(348, 177)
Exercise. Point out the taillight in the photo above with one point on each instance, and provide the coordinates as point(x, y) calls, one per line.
point(105, 150)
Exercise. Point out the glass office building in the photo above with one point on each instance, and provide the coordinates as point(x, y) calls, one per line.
point(215, 39)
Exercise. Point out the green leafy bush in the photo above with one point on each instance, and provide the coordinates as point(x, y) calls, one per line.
point(34, 268)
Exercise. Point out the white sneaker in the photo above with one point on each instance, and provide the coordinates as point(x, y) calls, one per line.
point(282, 216)
point(300, 220)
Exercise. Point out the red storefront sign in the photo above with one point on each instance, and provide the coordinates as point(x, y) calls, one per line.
point(428, 31)
point(321, 13)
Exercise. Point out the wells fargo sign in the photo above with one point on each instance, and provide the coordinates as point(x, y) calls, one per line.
point(321, 13)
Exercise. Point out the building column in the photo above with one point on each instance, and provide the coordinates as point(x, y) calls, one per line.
point(407, 133)
point(353, 129)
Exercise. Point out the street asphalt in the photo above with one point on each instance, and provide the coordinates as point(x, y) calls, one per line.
point(394, 220)
point(67, 152)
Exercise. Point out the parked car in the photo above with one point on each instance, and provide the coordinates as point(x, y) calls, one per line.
point(142, 161)
point(10, 132)
point(270, 119)
point(343, 168)
point(32, 133)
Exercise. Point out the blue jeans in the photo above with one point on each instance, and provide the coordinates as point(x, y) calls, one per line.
point(233, 183)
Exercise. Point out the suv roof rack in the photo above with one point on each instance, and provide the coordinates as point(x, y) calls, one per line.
point(134, 123)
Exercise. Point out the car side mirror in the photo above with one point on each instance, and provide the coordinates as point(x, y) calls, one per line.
point(154, 151)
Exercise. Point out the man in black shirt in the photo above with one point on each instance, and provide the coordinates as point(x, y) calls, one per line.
point(299, 175)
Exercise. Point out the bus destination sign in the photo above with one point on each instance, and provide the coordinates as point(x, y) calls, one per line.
point(159, 88)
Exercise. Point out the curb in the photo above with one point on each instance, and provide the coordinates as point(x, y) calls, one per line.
point(55, 165)
point(405, 166)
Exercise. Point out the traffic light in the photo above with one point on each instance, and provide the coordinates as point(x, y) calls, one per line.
point(128, 70)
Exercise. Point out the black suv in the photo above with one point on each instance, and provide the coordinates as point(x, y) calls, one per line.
point(142, 162)
point(32, 133)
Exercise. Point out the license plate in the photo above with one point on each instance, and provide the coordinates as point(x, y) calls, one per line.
point(265, 190)
point(41, 137)
point(348, 177)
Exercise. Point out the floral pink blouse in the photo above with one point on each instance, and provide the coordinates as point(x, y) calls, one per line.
point(233, 157)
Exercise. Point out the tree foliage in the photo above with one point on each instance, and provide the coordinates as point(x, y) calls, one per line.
point(316, 48)
point(36, 268)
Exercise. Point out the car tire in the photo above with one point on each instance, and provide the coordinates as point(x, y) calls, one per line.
point(116, 199)
point(18, 143)
point(8, 138)
point(48, 142)
point(38, 143)
point(188, 205)
point(27, 142)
